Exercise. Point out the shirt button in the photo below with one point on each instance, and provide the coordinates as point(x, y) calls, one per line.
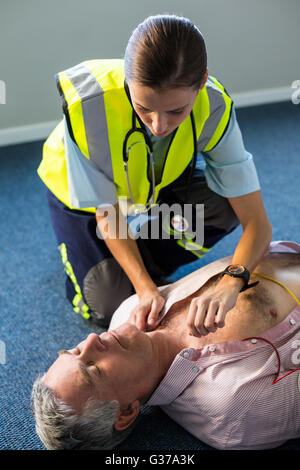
point(292, 321)
point(253, 340)
point(212, 348)
point(186, 354)
point(196, 369)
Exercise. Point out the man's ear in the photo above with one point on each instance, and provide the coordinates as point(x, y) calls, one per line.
point(127, 415)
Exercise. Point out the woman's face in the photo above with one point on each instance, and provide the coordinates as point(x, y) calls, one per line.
point(162, 110)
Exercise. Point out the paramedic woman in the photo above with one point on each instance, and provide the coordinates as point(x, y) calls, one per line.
point(162, 98)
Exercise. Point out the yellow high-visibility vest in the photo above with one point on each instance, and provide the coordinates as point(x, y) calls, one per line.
point(98, 114)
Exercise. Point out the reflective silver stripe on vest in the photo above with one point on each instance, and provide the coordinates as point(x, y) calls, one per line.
point(93, 110)
point(217, 108)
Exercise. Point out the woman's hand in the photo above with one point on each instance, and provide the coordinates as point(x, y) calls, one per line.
point(208, 312)
point(150, 304)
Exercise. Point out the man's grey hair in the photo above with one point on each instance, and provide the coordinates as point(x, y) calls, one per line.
point(60, 427)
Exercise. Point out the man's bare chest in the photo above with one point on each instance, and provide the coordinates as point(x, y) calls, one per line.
point(256, 311)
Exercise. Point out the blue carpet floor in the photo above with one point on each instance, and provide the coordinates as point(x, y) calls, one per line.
point(35, 318)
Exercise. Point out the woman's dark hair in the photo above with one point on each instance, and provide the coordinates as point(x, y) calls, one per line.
point(166, 51)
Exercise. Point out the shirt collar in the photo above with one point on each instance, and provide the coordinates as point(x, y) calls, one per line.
point(181, 373)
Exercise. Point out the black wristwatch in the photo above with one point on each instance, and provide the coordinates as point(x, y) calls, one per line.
point(237, 270)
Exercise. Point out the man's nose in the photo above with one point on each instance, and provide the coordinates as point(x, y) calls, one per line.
point(90, 345)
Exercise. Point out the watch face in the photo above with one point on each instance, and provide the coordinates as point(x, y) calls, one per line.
point(236, 269)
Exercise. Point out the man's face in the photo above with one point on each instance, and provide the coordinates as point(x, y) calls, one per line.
point(104, 368)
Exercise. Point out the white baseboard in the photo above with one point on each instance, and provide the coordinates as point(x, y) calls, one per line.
point(34, 132)
point(258, 97)
point(23, 134)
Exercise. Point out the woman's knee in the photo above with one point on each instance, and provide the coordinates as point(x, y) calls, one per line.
point(105, 287)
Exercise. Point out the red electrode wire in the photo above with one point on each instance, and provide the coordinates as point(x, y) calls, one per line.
point(278, 357)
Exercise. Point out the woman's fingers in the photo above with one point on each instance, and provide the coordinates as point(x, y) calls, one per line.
point(191, 317)
point(205, 316)
point(147, 311)
point(141, 317)
point(196, 316)
point(200, 318)
point(220, 317)
point(210, 317)
point(137, 317)
point(156, 307)
point(153, 315)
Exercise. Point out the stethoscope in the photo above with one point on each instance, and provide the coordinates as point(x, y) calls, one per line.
point(148, 144)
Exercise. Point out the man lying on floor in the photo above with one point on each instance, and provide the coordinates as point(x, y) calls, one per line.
point(225, 388)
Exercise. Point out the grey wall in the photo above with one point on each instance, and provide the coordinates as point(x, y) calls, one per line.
point(252, 45)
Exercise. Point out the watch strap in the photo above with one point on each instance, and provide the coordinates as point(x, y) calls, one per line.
point(247, 286)
point(245, 275)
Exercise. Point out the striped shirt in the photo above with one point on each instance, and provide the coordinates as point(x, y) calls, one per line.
point(224, 393)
